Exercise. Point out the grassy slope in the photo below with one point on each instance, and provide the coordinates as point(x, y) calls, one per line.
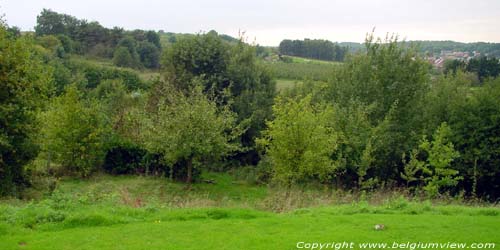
point(151, 213)
point(282, 84)
point(145, 74)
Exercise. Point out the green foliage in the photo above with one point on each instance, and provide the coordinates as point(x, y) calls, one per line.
point(189, 128)
point(414, 169)
point(149, 55)
point(300, 141)
point(390, 81)
point(227, 73)
point(202, 56)
point(123, 58)
point(484, 67)
point(25, 84)
point(440, 155)
point(73, 133)
point(251, 91)
point(475, 123)
point(95, 74)
point(435, 171)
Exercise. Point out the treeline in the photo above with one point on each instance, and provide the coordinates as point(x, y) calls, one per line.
point(482, 67)
point(434, 48)
point(314, 49)
point(135, 49)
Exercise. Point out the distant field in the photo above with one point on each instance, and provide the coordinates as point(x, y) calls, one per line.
point(296, 59)
point(282, 84)
point(152, 213)
point(302, 68)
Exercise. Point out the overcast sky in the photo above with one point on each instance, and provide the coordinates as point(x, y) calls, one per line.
point(269, 21)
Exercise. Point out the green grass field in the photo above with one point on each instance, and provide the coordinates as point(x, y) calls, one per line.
point(296, 59)
point(130, 212)
point(282, 84)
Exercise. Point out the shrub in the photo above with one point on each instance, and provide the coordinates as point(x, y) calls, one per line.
point(73, 133)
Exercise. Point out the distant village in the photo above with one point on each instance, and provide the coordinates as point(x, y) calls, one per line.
point(446, 55)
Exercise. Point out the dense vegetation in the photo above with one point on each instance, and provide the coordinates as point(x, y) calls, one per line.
point(482, 67)
point(382, 119)
point(68, 34)
point(177, 141)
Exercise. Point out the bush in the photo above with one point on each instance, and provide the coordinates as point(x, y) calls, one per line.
point(95, 74)
point(73, 133)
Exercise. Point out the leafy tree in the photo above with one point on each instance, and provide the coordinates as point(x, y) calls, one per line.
point(300, 141)
point(415, 170)
point(476, 124)
point(73, 133)
point(149, 55)
point(50, 23)
point(202, 56)
point(189, 128)
point(435, 171)
point(452, 66)
point(484, 67)
point(122, 58)
point(24, 87)
point(228, 74)
point(440, 153)
point(153, 38)
point(391, 81)
point(252, 92)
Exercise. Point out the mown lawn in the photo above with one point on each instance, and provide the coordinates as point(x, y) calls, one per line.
point(151, 213)
point(234, 229)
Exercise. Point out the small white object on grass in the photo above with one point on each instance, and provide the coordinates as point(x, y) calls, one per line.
point(379, 227)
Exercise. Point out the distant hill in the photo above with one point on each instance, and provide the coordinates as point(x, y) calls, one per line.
point(435, 47)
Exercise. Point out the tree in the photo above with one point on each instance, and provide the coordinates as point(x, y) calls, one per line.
point(440, 154)
point(204, 56)
point(484, 67)
point(391, 81)
point(299, 142)
point(130, 44)
point(475, 123)
point(149, 55)
point(190, 128)
point(153, 38)
point(50, 23)
point(73, 133)
point(228, 74)
point(122, 58)
point(435, 171)
point(24, 88)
